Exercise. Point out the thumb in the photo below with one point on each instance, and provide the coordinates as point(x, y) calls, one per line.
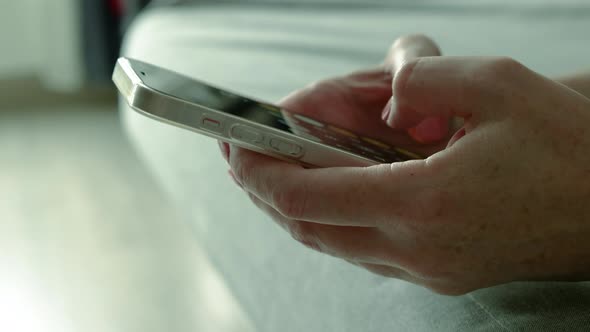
point(406, 49)
point(429, 91)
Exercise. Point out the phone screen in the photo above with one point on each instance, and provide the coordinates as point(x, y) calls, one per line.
point(273, 116)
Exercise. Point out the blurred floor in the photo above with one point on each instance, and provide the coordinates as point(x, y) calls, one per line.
point(87, 240)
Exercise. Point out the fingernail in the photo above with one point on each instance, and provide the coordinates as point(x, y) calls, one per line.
point(386, 110)
point(430, 130)
point(458, 135)
point(392, 112)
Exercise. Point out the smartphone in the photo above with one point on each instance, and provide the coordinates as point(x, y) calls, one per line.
point(188, 103)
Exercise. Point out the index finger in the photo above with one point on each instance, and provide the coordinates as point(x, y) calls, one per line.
point(345, 196)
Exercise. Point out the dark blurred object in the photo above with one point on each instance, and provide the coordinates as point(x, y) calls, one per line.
point(103, 25)
point(133, 7)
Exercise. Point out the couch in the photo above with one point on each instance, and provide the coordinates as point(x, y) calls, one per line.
point(267, 49)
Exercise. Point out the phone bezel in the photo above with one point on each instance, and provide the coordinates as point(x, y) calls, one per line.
point(169, 109)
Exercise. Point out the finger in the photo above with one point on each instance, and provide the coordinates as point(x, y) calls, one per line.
point(364, 244)
point(233, 177)
point(354, 102)
point(409, 48)
point(406, 49)
point(400, 119)
point(339, 196)
point(369, 88)
point(387, 271)
point(430, 129)
point(224, 147)
point(390, 272)
point(377, 74)
point(467, 87)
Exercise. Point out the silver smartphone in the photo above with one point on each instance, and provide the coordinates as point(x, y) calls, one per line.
point(188, 103)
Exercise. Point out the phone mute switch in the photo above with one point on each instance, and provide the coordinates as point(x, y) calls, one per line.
point(212, 124)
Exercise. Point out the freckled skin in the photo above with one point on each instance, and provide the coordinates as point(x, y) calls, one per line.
point(509, 200)
point(539, 193)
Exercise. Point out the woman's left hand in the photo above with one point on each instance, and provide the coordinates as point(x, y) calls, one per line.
point(359, 102)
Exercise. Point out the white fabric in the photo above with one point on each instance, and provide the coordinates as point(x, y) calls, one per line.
point(269, 52)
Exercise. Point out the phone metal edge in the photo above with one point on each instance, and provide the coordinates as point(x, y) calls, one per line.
point(135, 93)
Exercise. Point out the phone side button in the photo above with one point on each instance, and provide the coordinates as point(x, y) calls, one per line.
point(246, 134)
point(212, 124)
point(285, 147)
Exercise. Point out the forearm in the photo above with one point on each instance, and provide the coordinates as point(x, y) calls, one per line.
point(579, 82)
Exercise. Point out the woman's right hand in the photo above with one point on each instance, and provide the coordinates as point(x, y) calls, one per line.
point(506, 201)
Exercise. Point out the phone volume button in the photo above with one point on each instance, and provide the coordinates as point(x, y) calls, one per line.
point(285, 147)
point(246, 134)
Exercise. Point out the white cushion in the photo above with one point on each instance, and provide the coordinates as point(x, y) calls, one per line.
point(267, 52)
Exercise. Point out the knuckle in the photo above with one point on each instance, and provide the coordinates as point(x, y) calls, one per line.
point(381, 271)
point(304, 233)
point(243, 170)
point(494, 80)
point(419, 38)
point(290, 202)
point(504, 67)
point(402, 77)
point(497, 70)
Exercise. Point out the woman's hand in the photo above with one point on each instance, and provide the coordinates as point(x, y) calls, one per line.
point(362, 101)
point(359, 101)
point(507, 200)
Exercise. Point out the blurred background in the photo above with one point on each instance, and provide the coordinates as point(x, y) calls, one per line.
point(88, 241)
